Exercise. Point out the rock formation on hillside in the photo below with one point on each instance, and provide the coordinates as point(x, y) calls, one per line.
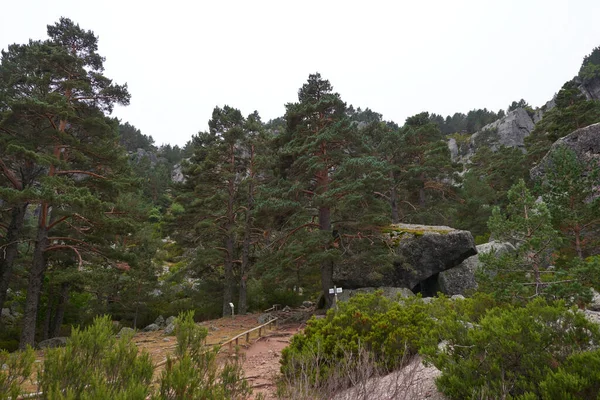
point(591, 88)
point(585, 142)
point(509, 131)
point(137, 156)
point(538, 114)
point(421, 253)
point(177, 174)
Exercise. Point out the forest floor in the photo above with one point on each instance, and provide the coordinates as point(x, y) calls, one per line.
point(261, 354)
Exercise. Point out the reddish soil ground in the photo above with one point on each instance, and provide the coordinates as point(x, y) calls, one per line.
point(261, 366)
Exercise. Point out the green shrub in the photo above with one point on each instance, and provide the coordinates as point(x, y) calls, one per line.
point(9, 338)
point(507, 352)
point(577, 378)
point(482, 239)
point(262, 294)
point(194, 373)
point(9, 344)
point(95, 365)
point(18, 369)
point(390, 331)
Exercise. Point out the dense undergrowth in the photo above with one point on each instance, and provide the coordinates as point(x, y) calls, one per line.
point(484, 349)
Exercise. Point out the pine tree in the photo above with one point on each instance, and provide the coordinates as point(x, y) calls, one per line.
point(57, 87)
point(325, 191)
point(569, 188)
point(254, 142)
point(486, 183)
point(21, 135)
point(425, 168)
point(384, 139)
point(219, 192)
point(527, 225)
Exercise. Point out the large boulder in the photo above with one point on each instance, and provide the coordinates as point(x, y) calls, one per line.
point(52, 343)
point(9, 317)
point(461, 279)
point(421, 252)
point(391, 293)
point(415, 380)
point(126, 331)
point(170, 329)
point(585, 142)
point(151, 328)
point(160, 321)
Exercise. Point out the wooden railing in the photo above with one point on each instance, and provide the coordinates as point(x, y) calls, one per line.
point(275, 307)
point(247, 334)
point(229, 342)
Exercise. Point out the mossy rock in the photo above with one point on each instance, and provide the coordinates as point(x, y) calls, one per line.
point(398, 232)
point(420, 252)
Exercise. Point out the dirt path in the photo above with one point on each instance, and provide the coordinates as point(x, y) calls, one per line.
point(158, 345)
point(261, 365)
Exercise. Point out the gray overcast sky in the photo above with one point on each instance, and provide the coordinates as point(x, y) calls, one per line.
point(182, 58)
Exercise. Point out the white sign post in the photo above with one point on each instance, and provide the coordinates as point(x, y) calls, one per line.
point(231, 305)
point(334, 291)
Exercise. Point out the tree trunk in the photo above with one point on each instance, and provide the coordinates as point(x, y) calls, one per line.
point(10, 252)
point(394, 203)
point(245, 268)
point(60, 310)
point(578, 248)
point(229, 238)
point(34, 287)
point(326, 265)
point(422, 198)
point(48, 316)
point(228, 270)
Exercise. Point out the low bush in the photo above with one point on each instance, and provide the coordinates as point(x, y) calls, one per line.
point(17, 369)
point(94, 365)
point(509, 351)
point(194, 374)
point(577, 378)
point(357, 371)
point(390, 331)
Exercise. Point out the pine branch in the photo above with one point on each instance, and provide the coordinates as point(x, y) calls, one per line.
point(286, 237)
point(382, 195)
point(80, 172)
point(65, 246)
point(58, 221)
point(16, 241)
point(11, 176)
point(547, 283)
